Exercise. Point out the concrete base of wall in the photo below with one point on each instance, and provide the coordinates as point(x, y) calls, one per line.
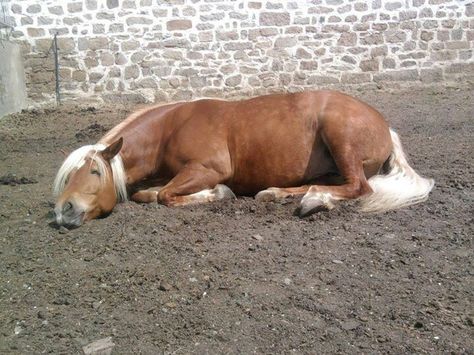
point(12, 79)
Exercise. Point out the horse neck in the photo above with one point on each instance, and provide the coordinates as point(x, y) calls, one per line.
point(142, 135)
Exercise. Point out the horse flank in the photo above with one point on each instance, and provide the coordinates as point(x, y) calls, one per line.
point(77, 158)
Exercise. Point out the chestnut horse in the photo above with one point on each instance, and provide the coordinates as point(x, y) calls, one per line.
point(322, 145)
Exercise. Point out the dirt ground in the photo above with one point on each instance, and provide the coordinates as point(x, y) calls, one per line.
point(240, 276)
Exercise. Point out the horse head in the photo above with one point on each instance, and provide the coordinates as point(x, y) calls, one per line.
point(89, 184)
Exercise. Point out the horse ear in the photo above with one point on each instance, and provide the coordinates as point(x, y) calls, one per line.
point(112, 150)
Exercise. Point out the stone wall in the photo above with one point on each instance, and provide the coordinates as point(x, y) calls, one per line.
point(183, 49)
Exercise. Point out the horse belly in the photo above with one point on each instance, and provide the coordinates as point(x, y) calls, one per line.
point(270, 166)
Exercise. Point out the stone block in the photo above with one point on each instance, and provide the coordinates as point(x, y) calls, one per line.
point(66, 45)
point(308, 65)
point(112, 4)
point(216, 16)
point(206, 36)
point(120, 59)
point(94, 77)
point(35, 32)
point(98, 28)
point(107, 59)
point(441, 56)
point(172, 54)
point(131, 72)
point(302, 53)
point(234, 46)
point(454, 45)
point(26, 20)
point(234, 80)
point(44, 20)
point(388, 63)
point(227, 36)
point(33, 9)
point(349, 59)
point(394, 36)
point(146, 83)
point(56, 10)
point(466, 69)
point(79, 75)
point(74, 7)
point(322, 80)
point(129, 4)
point(425, 12)
point(393, 5)
point(138, 56)
point(254, 5)
point(138, 20)
point(43, 45)
point(284, 42)
point(371, 39)
point(361, 6)
point(105, 16)
point(397, 75)
point(274, 19)
point(369, 65)
point(426, 36)
point(91, 4)
point(116, 27)
point(71, 21)
point(178, 25)
point(380, 51)
point(96, 43)
point(115, 72)
point(355, 78)
point(470, 10)
point(130, 45)
point(347, 39)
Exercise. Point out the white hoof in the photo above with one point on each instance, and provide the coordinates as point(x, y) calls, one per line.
point(267, 195)
point(222, 192)
point(315, 202)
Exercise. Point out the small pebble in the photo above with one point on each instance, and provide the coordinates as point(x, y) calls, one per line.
point(164, 286)
point(335, 261)
point(41, 315)
point(257, 237)
point(287, 281)
point(350, 325)
point(63, 230)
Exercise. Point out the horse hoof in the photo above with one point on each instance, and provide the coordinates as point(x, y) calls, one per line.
point(308, 209)
point(315, 203)
point(265, 196)
point(222, 192)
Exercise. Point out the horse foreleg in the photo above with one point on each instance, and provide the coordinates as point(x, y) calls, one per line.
point(145, 196)
point(194, 184)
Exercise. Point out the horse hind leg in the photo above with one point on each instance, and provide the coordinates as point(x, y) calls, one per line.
point(326, 197)
point(276, 193)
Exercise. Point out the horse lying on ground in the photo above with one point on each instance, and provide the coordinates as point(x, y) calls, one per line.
point(322, 145)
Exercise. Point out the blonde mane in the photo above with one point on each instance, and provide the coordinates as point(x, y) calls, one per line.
point(78, 157)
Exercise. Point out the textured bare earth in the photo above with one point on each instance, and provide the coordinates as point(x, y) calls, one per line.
point(240, 276)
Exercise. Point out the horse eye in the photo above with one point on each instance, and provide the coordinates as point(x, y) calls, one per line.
point(95, 172)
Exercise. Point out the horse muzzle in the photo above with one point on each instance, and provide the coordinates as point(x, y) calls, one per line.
point(69, 215)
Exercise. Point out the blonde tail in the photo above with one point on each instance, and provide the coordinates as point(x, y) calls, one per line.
point(401, 187)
